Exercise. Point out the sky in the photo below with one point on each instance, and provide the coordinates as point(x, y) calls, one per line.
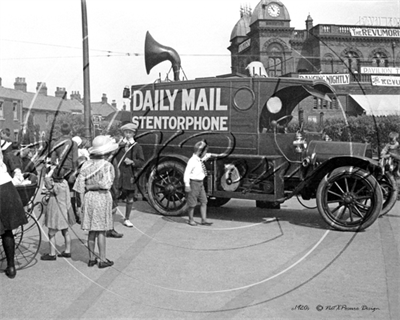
point(41, 40)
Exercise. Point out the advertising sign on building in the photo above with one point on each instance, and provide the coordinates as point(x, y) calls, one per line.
point(379, 70)
point(375, 32)
point(332, 79)
point(244, 45)
point(385, 81)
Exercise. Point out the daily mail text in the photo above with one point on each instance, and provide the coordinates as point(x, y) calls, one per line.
point(199, 109)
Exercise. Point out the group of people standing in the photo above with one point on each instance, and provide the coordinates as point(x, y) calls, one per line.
point(84, 185)
point(95, 182)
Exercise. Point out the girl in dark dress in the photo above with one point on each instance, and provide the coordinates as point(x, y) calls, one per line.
point(12, 215)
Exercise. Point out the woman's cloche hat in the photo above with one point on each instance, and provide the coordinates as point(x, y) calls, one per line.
point(102, 145)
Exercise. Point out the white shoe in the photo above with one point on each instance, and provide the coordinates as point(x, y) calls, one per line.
point(128, 224)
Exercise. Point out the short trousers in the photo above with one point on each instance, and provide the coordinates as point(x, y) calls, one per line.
point(197, 194)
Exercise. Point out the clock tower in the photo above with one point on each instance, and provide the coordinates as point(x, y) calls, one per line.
point(267, 40)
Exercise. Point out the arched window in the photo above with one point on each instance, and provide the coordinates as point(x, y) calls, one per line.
point(327, 65)
point(275, 61)
point(352, 61)
point(380, 60)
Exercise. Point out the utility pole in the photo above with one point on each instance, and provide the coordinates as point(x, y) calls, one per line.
point(86, 75)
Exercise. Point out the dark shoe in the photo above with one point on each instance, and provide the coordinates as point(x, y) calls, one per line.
point(64, 255)
point(206, 223)
point(91, 263)
point(192, 223)
point(48, 257)
point(105, 264)
point(113, 234)
point(11, 272)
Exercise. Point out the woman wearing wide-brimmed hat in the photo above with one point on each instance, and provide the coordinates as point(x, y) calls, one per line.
point(93, 184)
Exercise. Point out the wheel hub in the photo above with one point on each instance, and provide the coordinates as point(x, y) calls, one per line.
point(348, 198)
point(169, 189)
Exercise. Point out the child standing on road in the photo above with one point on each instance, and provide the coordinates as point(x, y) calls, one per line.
point(59, 214)
point(194, 175)
point(93, 185)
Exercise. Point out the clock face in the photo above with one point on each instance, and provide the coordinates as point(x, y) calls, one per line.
point(273, 10)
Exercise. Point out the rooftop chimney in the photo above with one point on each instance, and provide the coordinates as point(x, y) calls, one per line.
point(114, 104)
point(0, 82)
point(76, 95)
point(20, 84)
point(60, 92)
point(41, 88)
point(104, 98)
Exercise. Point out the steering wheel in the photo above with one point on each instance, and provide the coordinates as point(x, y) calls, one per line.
point(288, 118)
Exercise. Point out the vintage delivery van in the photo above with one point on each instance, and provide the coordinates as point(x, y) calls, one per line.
point(244, 119)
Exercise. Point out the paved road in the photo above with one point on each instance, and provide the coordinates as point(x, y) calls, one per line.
point(241, 267)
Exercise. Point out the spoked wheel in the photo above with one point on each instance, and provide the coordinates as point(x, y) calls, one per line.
point(27, 244)
point(166, 189)
point(35, 212)
point(390, 191)
point(349, 199)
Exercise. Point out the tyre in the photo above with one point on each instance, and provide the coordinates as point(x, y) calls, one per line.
point(166, 189)
point(349, 199)
point(390, 191)
point(217, 202)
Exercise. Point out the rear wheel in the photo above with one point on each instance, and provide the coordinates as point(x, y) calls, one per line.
point(349, 199)
point(166, 189)
point(390, 191)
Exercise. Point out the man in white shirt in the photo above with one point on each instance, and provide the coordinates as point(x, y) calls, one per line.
point(194, 175)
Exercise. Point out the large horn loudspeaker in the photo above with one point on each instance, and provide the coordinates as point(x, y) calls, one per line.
point(154, 53)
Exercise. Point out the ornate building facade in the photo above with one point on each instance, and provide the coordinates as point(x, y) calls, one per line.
point(362, 62)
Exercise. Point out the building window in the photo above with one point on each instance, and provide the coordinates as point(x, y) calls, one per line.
point(1, 110)
point(326, 29)
point(315, 103)
point(16, 135)
point(15, 110)
point(353, 61)
point(275, 67)
point(380, 60)
point(47, 117)
point(312, 119)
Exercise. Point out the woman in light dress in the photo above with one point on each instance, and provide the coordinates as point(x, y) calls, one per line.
point(93, 185)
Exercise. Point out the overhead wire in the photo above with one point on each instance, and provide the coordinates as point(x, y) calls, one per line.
point(108, 53)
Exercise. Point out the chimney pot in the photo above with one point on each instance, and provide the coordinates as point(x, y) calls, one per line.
point(20, 84)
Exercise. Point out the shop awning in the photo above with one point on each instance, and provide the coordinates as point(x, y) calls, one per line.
point(378, 105)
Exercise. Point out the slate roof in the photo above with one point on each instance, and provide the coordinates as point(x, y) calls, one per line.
point(42, 102)
point(101, 108)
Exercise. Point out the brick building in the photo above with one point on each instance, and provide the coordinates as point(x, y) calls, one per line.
point(16, 103)
point(362, 61)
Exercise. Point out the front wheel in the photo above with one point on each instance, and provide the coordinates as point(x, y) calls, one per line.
point(166, 189)
point(349, 199)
